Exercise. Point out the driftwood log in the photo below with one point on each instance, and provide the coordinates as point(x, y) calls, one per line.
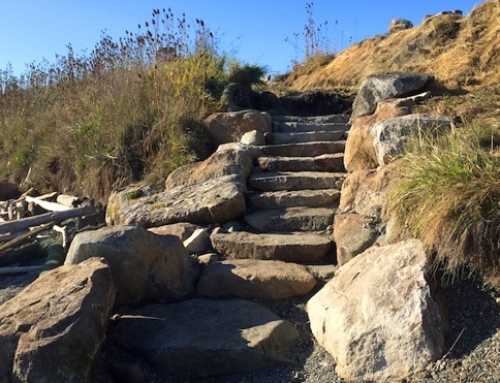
point(24, 223)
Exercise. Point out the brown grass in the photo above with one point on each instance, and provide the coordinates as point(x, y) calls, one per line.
point(457, 51)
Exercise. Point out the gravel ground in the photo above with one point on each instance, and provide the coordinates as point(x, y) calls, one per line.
point(472, 348)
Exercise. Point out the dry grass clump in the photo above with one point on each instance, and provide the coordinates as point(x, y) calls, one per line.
point(458, 51)
point(449, 197)
point(129, 110)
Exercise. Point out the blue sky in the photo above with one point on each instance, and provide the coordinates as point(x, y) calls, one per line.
point(252, 31)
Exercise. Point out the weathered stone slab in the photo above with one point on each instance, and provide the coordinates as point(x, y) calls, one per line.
point(382, 86)
point(353, 233)
point(311, 136)
point(213, 201)
point(288, 247)
point(377, 316)
point(284, 199)
point(296, 127)
point(143, 265)
point(52, 331)
point(306, 149)
point(255, 279)
point(323, 163)
point(276, 181)
point(206, 337)
point(230, 127)
point(391, 136)
point(291, 219)
point(231, 161)
point(182, 230)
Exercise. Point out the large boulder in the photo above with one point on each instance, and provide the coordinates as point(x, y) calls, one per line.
point(227, 127)
point(230, 160)
point(255, 279)
point(52, 331)
point(145, 266)
point(353, 233)
point(359, 151)
point(397, 25)
point(377, 317)
point(212, 201)
point(366, 192)
point(363, 213)
point(383, 86)
point(391, 136)
point(206, 337)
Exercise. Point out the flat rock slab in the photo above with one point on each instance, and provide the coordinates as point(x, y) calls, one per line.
point(291, 219)
point(307, 149)
point(206, 337)
point(309, 136)
point(323, 163)
point(275, 181)
point(52, 331)
point(255, 279)
point(284, 199)
point(296, 127)
point(326, 119)
point(288, 247)
point(214, 201)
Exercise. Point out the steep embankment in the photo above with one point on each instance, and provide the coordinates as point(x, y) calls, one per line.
point(458, 51)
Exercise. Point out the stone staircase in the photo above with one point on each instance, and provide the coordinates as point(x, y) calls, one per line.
point(293, 192)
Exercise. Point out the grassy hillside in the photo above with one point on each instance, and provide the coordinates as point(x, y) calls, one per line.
point(459, 51)
point(130, 110)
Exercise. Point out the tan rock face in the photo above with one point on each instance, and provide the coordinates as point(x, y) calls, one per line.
point(366, 191)
point(214, 201)
point(288, 247)
point(231, 126)
point(233, 160)
point(255, 279)
point(206, 337)
point(359, 150)
point(143, 265)
point(52, 330)
point(353, 234)
point(377, 316)
point(182, 230)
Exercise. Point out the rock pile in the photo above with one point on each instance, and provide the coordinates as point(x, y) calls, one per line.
point(179, 275)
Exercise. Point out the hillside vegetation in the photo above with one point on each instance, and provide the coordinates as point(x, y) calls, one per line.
point(458, 51)
point(131, 110)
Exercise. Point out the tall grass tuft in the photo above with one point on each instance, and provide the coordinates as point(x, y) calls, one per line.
point(131, 109)
point(449, 197)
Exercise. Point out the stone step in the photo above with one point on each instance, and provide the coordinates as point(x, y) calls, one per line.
point(276, 181)
point(284, 199)
point(296, 127)
point(306, 149)
point(288, 247)
point(291, 219)
point(331, 118)
point(310, 136)
point(323, 163)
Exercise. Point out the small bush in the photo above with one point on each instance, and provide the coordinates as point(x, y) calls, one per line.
point(449, 197)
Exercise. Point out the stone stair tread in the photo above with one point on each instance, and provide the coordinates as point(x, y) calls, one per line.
point(329, 118)
point(322, 163)
point(284, 199)
point(304, 149)
point(288, 247)
point(309, 136)
point(291, 219)
point(276, 181)
point(299, 127)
